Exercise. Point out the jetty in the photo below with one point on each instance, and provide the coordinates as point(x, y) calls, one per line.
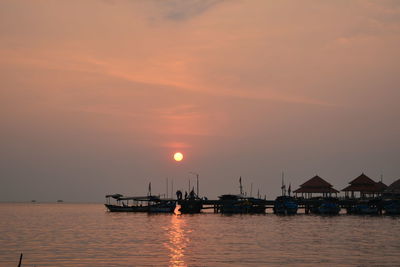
point(316, 195)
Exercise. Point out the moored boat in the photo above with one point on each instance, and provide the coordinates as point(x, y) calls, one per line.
point(326, 206)
point(164, 206)
point(392, 207)
point(239, 204)
point(364, 207)
point(191, 204)
point(139, 204)
point(286, 205)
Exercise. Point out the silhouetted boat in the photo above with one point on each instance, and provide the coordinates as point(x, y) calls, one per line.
point(286, 205)
point(364, 207)
point(140, 204)
point(392, 207)
point(190, 204)
point(164, 206)
point(328, 206)
point(239, 204)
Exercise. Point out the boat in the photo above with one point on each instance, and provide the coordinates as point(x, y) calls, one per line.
point(285, 205)
point(326, 206)
point(239, 204)
point(392, 207)
point(364, 207)
point(139, 204)
point(191, 204)
point(164, 206)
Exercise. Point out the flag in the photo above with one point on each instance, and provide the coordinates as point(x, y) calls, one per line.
point(289, 189)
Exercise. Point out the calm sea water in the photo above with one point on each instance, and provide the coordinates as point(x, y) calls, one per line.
point(87, 235)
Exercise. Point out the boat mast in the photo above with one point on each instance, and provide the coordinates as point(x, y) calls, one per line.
point(172, 188)
point(149, 193)
point(240, 185)
point(197, 177)
point(166, 195)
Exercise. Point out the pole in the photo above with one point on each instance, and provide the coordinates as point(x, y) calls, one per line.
point(197, 176)
point(240, 185)
point(20, 260)
point(172, 188)
point(166, 196)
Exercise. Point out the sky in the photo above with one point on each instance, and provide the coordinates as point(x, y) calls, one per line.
point(97, 96)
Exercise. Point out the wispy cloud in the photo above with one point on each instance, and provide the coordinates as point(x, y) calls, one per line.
point(178, 10)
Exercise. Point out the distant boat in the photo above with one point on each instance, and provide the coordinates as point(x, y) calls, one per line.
point(60, 201)
point(285, 205)
point(33, 201)
point(140, 204)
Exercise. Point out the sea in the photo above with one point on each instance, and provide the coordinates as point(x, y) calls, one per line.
point(62, 234)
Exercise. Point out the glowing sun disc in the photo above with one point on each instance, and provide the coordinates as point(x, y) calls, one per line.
point(178, 156)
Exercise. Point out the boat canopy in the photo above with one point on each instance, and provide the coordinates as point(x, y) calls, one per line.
point(115, 196)
point(140, 198)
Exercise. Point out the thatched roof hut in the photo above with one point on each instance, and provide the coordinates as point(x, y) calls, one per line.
point(316, 185)
point(365, 186)
point(382, 187)
point(393, 189)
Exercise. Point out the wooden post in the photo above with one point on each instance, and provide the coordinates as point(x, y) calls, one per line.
point(20, 260)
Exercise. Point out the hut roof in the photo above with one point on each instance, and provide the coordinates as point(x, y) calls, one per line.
point(363, 184)
point(363, 180)
point(316, 185)
point(394, 188)
point(382, 186)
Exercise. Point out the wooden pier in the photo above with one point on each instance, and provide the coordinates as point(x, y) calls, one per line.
point(267, 205)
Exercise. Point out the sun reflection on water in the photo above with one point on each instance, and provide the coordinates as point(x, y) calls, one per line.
point(177, 241)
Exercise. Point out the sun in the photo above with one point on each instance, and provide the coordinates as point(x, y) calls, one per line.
point(178, 156)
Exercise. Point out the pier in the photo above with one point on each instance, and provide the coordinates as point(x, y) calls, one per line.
point(267, 205)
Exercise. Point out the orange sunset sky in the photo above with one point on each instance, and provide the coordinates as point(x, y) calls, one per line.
point(97, 96)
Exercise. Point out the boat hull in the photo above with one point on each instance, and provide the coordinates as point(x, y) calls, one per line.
point(163, 208)
point(328, 209)
point(117, 208)
point(285, 206)
point(190, 206)
point(392, 208)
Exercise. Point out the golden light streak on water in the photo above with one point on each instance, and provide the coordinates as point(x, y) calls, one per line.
point(178, 241)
